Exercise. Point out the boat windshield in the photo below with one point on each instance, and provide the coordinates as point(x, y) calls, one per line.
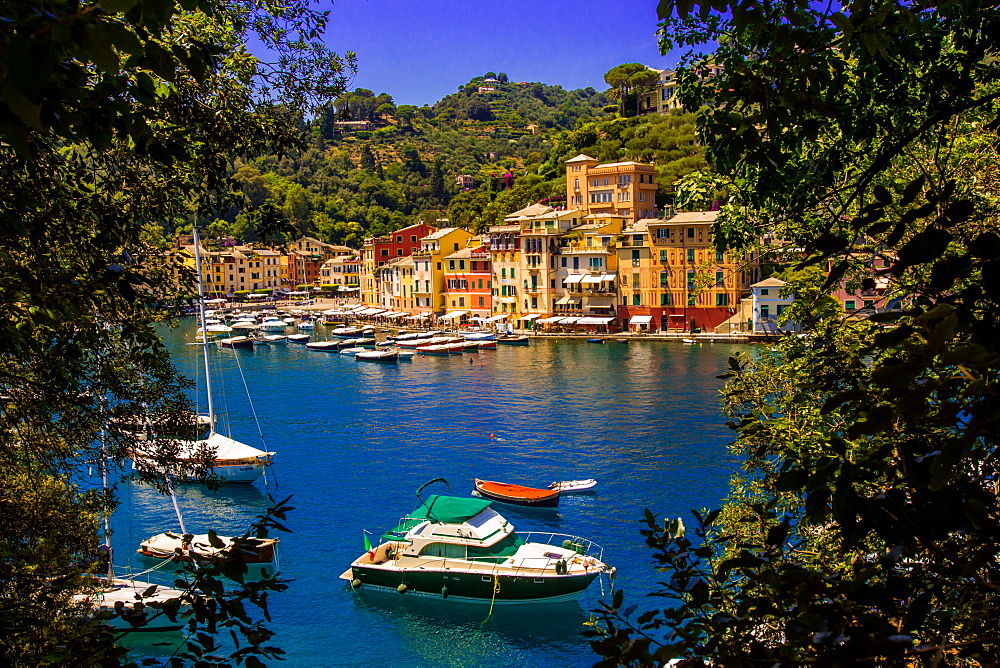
point(498, 551)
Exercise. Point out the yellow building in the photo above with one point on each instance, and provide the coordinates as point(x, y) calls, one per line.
point(539, 268)
point(428, 275)
point(588, 266)
point(671, 277)
point(624, 188)
point(344, 272)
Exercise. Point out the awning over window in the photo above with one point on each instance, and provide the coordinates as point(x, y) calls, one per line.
point(508, 300)
point(593, 321)
point(531, 316)
point(550, 320)
point(640, 320)
point(610, 277)
point(591, 280)
point(567, 300)
point(452, 315)
point(371, 311)
point(575, 278)
point(502, 316)
point(568, 321)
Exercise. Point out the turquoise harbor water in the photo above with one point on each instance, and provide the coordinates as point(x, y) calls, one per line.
point(354, 440)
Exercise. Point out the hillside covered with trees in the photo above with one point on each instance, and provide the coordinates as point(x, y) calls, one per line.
point(372, 166)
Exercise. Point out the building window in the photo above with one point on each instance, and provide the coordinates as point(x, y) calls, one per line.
point(663, 279)
point(602, 196)
point(624, 179)
point(637, 299)
point(690, 255)
point(781, 309)
point(576, 184)
point(718, 256)
point(722, 299)
point(461, 264)
point(564, 262)
point(663, 255)
point(482, 301)
point(763, 292)
point(461, 301)
point(764, 311)
point(635, 281)
point(718, 278)
point(850, 305)
point(385, 252)
point(690, 233)
point(690, 280)
point(664, 299)
point(451, 265)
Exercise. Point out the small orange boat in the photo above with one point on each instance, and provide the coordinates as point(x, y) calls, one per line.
point(518, 494)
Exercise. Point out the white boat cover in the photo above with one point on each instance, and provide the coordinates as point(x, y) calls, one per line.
point(225, 448)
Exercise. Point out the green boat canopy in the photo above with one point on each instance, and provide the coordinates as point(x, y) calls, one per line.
point(450, 509)
point(441, 509)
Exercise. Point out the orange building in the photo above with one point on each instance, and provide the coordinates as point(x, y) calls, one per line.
point(624, 188)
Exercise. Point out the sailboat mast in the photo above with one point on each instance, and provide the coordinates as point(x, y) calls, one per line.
point(204, 330)
point(103, 463)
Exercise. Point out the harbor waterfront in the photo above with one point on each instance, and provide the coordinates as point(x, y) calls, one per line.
point(354, 441)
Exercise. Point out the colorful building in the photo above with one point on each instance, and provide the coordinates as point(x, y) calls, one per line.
point(468, 281)
point(428, 274)
point(624, 188)
point(343, 271)
point(379, 250)
point(587, 268)
point(672, 278)
point(539, 270)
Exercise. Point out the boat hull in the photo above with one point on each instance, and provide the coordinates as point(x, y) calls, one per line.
point(476, 585)
point(518, 495)
point(515, 341)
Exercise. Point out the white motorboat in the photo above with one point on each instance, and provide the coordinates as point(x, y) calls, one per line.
point(298, 338)
point(460, 548)
point(272, 324)
point(574, 486)
point(324, 346)
point(270, 339)
point(377, 356)
point(352, 351)
point(306, 324)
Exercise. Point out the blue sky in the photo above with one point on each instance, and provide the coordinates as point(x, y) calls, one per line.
point(420, 50)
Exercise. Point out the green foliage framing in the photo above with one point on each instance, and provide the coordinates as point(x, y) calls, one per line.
point(864, 529)
point(114, 118)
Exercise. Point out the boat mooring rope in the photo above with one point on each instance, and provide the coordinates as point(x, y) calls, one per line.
point(496, 590)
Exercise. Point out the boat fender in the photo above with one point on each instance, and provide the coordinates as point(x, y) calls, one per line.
point(444, 591)
point(355, 583)
point(401, 589)
point(567, 544)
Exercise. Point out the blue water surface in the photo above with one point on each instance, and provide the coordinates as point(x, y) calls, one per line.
point(354, 440)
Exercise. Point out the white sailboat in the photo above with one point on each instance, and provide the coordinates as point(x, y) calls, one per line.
point(235, 462)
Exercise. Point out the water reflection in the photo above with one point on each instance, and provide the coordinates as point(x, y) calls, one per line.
point(466, 633)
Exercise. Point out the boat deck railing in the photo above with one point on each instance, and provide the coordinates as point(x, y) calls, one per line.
point(587, 548)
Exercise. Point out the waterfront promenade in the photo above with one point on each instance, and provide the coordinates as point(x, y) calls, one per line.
point(318, 305)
